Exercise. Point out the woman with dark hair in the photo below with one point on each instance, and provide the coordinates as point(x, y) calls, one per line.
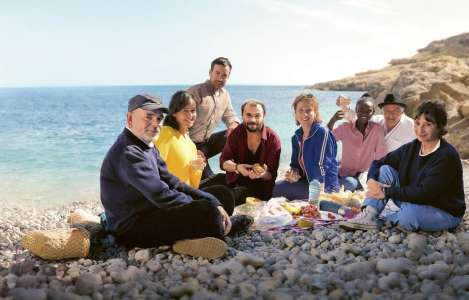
point(314, 152)
point(175, 146)
point(423, 178)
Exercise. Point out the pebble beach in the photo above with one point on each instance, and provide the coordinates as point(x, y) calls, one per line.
point(320, 263)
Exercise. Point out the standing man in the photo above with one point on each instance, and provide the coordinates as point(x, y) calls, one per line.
point(398, 127)
point(146, 206)
point(251, 155)
point(213, 104)
point(362, 142)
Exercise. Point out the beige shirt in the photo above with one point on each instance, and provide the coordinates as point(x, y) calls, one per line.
point(401, 134)
point(212, 107)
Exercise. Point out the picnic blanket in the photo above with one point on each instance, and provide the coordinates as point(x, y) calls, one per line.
point(272, 215)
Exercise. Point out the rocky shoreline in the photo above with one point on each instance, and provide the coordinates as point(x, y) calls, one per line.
point(324, 263)
point(439, 71)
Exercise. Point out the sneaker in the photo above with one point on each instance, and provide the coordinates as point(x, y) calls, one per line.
point(207, 247)
point(83, 220)
point(365, 220)
point(402, 229)
point(80, 216)
point(240, 223)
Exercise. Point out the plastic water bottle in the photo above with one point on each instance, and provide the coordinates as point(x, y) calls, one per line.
point(314, 192)
point(331, 206)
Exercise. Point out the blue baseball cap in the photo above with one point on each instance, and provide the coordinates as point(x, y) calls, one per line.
point(146, 102)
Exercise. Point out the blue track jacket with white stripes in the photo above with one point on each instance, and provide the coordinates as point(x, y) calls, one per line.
point(320, 151)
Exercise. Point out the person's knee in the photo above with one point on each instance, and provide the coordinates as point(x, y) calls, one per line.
point(386, 174)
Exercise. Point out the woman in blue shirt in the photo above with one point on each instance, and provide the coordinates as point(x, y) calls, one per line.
point(314, 152)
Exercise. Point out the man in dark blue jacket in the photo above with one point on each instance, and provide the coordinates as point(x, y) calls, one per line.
point(424, 178)
point(145, 205)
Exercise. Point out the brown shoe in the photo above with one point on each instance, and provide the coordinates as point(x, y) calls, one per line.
point(208, 247)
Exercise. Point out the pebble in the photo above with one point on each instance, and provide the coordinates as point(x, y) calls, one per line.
point(463, 239)
point(28, 294)
point(390, 281)
point(247, 290)
point(266, 286)
point(142, 255)
point(395, 239)
point(430, 288)
point(416, 242)
point(247, 259)
point(336, 294)
point(439, 271)
point(388, 265)
point(153, 265)
point(279, 296)
point(358, 270)
point(88, 283)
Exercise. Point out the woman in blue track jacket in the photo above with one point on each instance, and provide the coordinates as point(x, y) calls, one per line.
point(314, 152)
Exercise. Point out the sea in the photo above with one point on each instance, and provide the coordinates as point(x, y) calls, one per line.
point(53, 139)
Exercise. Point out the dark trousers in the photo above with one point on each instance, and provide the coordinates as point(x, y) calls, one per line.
point(240, 192)
point(196, 219)
point(210, 148)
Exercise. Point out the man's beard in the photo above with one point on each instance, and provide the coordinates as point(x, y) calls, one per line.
point(257, 129)
point(148, 138)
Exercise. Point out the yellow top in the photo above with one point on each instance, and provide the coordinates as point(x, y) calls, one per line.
point(177, 150)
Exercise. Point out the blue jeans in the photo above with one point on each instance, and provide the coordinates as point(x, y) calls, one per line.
point(411, 216)
point(291, 191)
point(350, 183)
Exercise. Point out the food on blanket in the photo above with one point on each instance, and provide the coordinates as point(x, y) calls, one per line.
point(310, 211)
point(354, 202)
point(258, 169)
point(294, 210)
point(253, 201)
point(346, 198)
point(331, 216)
point(304, 223)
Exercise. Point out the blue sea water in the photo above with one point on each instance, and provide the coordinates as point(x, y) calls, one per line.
point(53, 139)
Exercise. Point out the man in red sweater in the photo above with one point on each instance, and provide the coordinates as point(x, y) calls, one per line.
point(251, 154)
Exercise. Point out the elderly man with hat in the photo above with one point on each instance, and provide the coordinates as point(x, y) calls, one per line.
point(146, 206)
point(398, 127)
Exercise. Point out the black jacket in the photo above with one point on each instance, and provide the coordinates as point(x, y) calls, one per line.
point(435, 179)
point(135, 179)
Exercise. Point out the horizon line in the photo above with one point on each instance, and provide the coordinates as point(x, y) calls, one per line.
point(132, 85)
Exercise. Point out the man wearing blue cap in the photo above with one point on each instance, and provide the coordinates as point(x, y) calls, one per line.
point(146, 206)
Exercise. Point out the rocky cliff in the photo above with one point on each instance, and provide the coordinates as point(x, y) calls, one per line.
point(438, 71)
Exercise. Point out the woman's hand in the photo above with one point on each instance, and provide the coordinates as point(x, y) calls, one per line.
point(292, 175)
point(201, 155)
point(198, 163)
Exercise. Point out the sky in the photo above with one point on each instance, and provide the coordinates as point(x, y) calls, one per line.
point(139, 42)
